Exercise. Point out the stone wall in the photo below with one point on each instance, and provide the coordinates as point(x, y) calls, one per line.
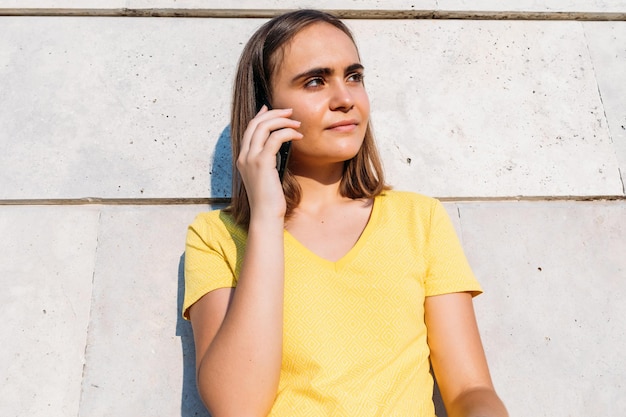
point(114, 135)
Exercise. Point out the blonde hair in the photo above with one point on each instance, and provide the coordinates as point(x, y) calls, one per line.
point(363, 174)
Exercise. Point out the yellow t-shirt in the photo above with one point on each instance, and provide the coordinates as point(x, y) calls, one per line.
point(354, 333)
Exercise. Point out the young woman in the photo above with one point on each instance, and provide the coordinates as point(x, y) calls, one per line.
point(326, 294)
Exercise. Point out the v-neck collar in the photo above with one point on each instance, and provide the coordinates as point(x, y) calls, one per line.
point(354, 250)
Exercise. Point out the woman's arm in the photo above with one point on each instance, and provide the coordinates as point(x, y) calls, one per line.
point(238, 332)
point(458, 358)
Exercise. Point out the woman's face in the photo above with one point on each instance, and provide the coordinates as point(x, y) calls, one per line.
point(321, 79)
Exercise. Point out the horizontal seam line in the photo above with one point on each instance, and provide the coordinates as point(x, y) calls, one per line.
point(342, 13)
point(221, 200)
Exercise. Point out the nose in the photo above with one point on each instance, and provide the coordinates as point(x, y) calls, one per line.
point(341, 98)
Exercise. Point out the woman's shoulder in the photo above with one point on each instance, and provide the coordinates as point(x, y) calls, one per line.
point(215, 223)
point(207, 218)
point(410, 208)
point(408, 198)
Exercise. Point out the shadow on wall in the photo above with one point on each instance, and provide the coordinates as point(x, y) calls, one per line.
point(440, 410)
point(221, 186)
point(190, 403)
point(222, 166)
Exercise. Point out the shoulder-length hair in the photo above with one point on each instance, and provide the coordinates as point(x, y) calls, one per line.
point(363, 174)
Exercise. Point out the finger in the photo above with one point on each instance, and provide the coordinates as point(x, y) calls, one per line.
point(277, 138)
point(263, 131)
point(271, 145)
point(262, 116)
point(266, 128)
point(266, 115)
point(265, 157)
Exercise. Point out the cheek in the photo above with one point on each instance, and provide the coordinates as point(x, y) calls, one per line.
point(364, 103)
point(308, 113)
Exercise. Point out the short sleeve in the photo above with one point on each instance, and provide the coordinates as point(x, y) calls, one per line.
point(209, 253)
point(448, 270)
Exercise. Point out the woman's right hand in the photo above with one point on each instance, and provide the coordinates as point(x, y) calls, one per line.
point(238, 333)
point(257, 160)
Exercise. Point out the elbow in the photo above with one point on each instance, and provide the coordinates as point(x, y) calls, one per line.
point(239, 408)
point(477, 402)
point(220, 400)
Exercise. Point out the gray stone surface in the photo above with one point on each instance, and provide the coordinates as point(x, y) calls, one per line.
point(240, 4)
point(99, 107)
point(453, 212)
point(470, 5)
point(138, 107)
point(140, 351)
point(46, 267)
point(535, 6)
point(496, 108)
point(552, 312)
point(112, 340)
point(607, 45)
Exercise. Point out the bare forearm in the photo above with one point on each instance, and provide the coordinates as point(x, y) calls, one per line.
point(239, 372)
point(481, 402)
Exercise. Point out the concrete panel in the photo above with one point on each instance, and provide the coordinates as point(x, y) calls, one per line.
point(240, 4)
point(606, 6)
point(453, 212)
point(474, 108)
point(552, 313)
point(140, 357)
point(113, 107)
point(470, 5)
point(123, 107)
point(46, 268)
point(607, 45)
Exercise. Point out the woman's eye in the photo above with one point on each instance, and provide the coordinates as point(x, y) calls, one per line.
point(314, 82)
point(356, 77)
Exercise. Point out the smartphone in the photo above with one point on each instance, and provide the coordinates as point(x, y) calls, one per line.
point(282, 157)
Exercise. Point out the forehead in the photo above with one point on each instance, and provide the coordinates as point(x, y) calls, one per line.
point(318, 45)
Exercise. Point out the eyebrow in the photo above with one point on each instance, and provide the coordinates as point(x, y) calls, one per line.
point(324, 72)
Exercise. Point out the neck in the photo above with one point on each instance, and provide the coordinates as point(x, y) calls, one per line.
point(320, 188)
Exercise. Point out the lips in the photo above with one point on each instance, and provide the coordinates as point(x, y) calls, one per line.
point(344, 125)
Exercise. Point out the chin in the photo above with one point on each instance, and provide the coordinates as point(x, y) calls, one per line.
point(346, 154)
